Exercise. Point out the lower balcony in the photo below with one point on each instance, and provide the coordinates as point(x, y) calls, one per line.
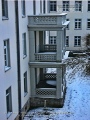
point(49, 81)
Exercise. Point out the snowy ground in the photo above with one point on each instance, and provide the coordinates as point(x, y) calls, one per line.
point(77, 101)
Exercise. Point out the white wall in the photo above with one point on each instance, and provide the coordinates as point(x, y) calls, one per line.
point(9, 78)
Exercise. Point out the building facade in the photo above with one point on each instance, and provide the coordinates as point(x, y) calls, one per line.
point(78, 12)
point(15, 56)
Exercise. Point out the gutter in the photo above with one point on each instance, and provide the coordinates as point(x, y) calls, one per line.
point(18, 58)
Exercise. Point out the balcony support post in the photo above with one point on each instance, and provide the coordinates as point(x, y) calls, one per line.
point(32, 45)
point(33, 82)
point(59, 45)
point(59, 83)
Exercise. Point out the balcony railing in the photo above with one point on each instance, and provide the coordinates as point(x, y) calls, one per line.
point(45, 57)
point(46, 19)
point(46, 92)
point(50, 48)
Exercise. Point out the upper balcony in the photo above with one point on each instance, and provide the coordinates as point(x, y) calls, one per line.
point(47, 21)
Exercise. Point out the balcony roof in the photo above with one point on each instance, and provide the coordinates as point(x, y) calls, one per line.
point(49, 14)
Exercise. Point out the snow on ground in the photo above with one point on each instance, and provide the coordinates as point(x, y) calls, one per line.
point(77, 101)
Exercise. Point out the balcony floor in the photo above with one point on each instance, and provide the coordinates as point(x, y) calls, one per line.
point(46, 84)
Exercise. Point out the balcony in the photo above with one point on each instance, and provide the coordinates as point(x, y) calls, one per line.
point(47, 86)
point(47, 19)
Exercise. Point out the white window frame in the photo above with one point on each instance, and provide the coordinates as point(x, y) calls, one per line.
point(78, 23)
point(44, 6)
point(52, 40)
point(23, 8)
point(8, 102)
point(24, 45)
point(88, 8)
point(65, 5)
point(6, 54)
point(67, 41)
point(67, 25)
point(88, 23)
point(53, 6)
point(34, 7)
point(77, 41)
point(78, 5)
point(4, 9)
point(25, 84)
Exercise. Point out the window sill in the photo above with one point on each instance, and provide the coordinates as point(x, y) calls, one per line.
point(7, 68)
point(25, 93)
point(78, 11)
point(9, 114)
point(24, 56)
point(5, 18)
point(77, 46)
point(77, 29)
point(88, 28)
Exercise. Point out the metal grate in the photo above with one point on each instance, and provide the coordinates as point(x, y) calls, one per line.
point(45, 92)
point(50, 76)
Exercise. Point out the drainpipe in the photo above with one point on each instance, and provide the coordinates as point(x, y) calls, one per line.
point(18, 57)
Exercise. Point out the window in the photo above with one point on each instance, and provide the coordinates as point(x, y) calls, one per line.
point(8, 102)
point(6, 55)
point(52, 40)
point(88, 23)
point(77, 23)
point(4, 9)
point(68, 24)
point(44, 6)
point(77, 41)
point(88, 5)
point(25, 83)
point(34, 7)
point(67, 41)
point(23, 8)
point(53, 5)
point(78, 5)
point(65, 5)
point(24, 45)
point(40, 6)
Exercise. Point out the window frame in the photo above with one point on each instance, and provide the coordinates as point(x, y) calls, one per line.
point(9, 102)
point(77, 43)
point(7, 65)
point(88, 6)
point(88, 22)
point(53, 6)
point(66, 5)
point(68, 24)
point(25, 84)
point(4, 10)
point(23, 6)
point(52, 40)
point(67, 41)
point(24, 45)
point(34, 7)
point(78, 24)
point(78, 6)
